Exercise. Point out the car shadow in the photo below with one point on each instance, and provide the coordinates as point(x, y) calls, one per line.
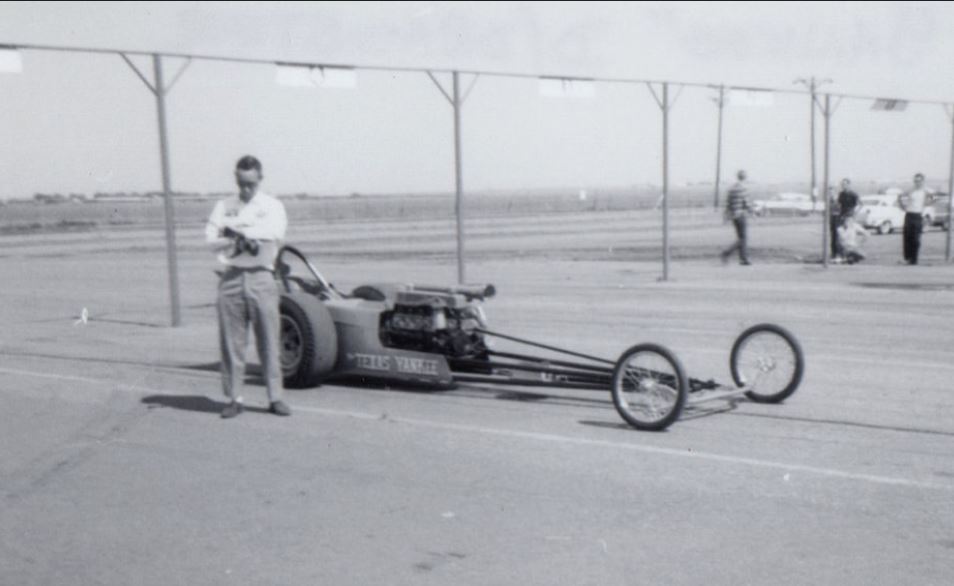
point(194, 403)
point(689, 413)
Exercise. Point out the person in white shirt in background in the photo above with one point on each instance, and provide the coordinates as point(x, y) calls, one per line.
point(913, 203)
point(851, 235)
point(246, 230)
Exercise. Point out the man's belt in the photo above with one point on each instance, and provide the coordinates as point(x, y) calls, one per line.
point(233, 268)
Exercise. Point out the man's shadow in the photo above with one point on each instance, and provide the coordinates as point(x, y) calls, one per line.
point(196, 403)
point(253, 372)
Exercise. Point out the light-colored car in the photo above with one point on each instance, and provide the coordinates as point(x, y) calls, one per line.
point(786, 204)
point(882, 213)
point(939, 207)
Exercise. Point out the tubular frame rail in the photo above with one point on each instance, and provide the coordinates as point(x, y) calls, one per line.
point(526, 370)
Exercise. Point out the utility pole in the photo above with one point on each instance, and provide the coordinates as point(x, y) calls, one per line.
point(950, 190)
point(665, 105)
point(812, 84)
point(160, 89)
point(826, 230)
point(720, 102)
point(456, 99)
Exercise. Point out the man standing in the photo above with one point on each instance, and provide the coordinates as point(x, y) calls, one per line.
point(246, 231)
point(735, 209)
point(913, 204)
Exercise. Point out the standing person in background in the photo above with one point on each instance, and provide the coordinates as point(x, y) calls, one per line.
point(736, 208)
point(246, 231)
point(844, 208)
point(914, 203)
point(847, 200)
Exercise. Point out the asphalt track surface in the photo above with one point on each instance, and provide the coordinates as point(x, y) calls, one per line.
point(116, 468)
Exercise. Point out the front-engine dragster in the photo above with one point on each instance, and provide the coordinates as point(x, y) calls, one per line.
point(438, 337)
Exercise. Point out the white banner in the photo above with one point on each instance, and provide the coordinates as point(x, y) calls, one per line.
point(10, 61)
point(754, 98)
point(559, 87)
point(312, 76)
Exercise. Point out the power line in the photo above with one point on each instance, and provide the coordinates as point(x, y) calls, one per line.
point(408, 69)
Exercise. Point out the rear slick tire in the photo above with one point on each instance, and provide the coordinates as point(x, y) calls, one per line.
point(308, 340)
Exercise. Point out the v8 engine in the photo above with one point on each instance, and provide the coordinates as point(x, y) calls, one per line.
point(443, 322)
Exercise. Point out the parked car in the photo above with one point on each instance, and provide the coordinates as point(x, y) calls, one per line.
point(883, 213)
point(786, 203)
point(939, 210)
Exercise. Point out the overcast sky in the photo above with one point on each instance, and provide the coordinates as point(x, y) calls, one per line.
point(85, 123)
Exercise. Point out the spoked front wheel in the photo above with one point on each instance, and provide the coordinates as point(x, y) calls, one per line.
point(649, 387)
point(768, 360)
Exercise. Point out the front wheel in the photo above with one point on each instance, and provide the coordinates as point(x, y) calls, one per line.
point(768, 360)
point(649, 387)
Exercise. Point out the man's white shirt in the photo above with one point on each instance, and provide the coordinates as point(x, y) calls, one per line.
point(917, 201)
point(262, 219)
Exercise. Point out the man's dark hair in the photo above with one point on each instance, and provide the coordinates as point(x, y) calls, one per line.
point(248, 162)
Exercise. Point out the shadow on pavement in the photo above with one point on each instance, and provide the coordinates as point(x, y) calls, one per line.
point(607, 425)
point(196, 403)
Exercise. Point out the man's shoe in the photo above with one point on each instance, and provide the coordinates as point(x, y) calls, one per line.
point(279, 408)
point(232, 409)
point(744, 263)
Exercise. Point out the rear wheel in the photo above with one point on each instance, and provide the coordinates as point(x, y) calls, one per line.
point(649, 387)
point(768, 360)
point(885, 227)
point(309, 341)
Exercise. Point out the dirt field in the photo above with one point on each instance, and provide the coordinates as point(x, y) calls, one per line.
point(116, 468)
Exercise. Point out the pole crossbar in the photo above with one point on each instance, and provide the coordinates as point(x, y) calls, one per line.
point(652, 90)
point(178, 74)
point(675, 98)
point(440, 87)
point(139, 73)
point(470, 87)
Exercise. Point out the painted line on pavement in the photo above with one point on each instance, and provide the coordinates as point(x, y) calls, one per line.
point(549, 437)
point(685, 453)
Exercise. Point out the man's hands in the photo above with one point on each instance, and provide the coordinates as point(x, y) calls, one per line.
point(242, 244)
